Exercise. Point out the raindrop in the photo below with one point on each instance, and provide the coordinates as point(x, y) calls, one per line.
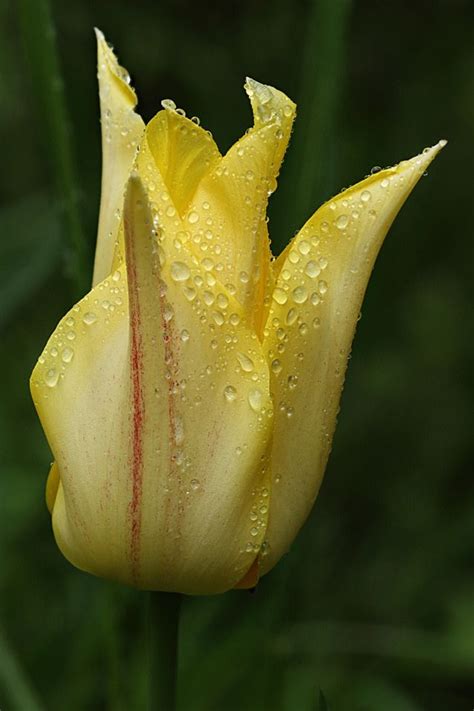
point(255, 398)
point(180, 271)
point(67, 355)
point(168, 104)
point(276, 366)
point(246, 363)
point(291, 316)
point(280, 296)
point(365, 196)
point(342, 222)
point(89, 318)
point(51, 378)
point(312, 269)
point(230, 393)
point(304, 247)
point(299, 294)
point(193, 217)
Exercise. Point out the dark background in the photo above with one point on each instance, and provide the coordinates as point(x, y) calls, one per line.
point(374, 603)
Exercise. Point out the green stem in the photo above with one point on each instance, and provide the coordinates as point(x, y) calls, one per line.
point(39, 38)
point(163, 623)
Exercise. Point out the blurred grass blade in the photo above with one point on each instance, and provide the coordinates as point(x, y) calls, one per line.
point(29, 250)
point(311, 159)
point(323, 705)
point(39, 38)
point(13, 681)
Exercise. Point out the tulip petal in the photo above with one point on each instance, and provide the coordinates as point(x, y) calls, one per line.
point(156, 406)
point(321, 280)
point(229, 207)
point(183, 153)
point(52, 486)
point(122, 130)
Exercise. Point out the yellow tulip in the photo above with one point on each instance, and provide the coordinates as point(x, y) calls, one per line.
point(190, 397)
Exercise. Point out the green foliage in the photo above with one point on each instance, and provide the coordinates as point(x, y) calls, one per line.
point(373, 604)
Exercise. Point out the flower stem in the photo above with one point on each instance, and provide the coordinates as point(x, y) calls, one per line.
point(163, 623)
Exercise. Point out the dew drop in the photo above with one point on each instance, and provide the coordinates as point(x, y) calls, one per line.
point(299, 294)
point(323, 287)
point(51, 378)
point(180, 271)
point(292, 381)
point(230, 393)
point(190, 293)
point(168, 104)
point(279, 295)
point(365, 196)
point(255, 399)
point(276, 366)
point(312, 269)
point(342, 222)
point(304, 247)
point(291, 316)
point(245, 362)
point(194, 484)
point(89, 318)
point(193, 217)
point(67, 355)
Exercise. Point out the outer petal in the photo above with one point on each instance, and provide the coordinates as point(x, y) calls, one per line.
point(159, 422)
point(228, 213)
point(322, 278)
point(122, 130)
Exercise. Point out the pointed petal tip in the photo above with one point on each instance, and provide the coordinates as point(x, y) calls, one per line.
point(269, 103)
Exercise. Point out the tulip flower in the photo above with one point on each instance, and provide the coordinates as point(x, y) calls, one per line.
point(190, 398)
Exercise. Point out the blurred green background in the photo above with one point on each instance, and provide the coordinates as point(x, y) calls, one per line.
point(375, 602)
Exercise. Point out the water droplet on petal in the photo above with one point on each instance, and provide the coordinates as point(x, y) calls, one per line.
point(180, 271)
point(51, 378)
point(300, 294)
point(312, 269)
point(365, 196)
point(89, 318)
point(342, 222)
point(255, 399)
point(67, 355)
point(230, 393)
point(246, 363)
point(276, 366)
point(279, 295)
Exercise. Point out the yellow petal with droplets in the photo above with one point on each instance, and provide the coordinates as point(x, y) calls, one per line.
point(154, 396)
point(322, 277)
point(183, 152)
point(122, 130)
point(230, 203)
